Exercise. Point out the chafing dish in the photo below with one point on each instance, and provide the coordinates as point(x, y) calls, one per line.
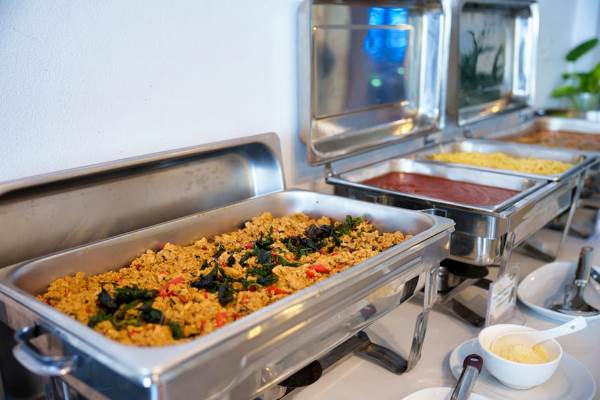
point(509, 28)
point(579, 159)
point(250, 355)
point(554, 124)
point(585, 219)
point(524, 186)
point(558, 124)
point(481, 231)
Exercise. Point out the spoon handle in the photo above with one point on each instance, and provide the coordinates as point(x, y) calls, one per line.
point(584, 266)
point(574, 325)
point(472, 365)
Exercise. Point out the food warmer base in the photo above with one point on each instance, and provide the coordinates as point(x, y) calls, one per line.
point(258, 351)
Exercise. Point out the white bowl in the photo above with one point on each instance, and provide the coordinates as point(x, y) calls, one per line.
point(514, 374)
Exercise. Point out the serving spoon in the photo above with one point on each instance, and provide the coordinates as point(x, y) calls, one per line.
point(531, 338)
point(573, 302)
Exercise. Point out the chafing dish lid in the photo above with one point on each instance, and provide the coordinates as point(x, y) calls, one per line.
point(371, 74)
point(493, 47)
point(47, 213)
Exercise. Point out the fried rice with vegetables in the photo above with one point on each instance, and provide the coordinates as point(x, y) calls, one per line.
point(181, 292)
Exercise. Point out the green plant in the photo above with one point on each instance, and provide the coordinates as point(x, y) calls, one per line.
point(577, 83)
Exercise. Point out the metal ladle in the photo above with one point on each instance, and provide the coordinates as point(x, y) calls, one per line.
point(573, 302)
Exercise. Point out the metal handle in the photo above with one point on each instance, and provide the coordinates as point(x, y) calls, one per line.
point(584, 267)
point(473, 360)
point(471, 368)
point(35, 362)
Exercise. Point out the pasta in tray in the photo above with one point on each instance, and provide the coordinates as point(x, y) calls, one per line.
point(504, 161)
point(181, 292)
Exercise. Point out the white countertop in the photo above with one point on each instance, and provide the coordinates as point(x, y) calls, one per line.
point(355, 378)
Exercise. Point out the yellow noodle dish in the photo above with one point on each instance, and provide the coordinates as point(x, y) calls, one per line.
point(499, 160)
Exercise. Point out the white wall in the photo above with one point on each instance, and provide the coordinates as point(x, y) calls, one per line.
point(90, 81)
point(563, 24)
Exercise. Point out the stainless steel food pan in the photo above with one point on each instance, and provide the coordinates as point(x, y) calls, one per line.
point(554, 124)
point(576, 125)
point(246, 356)
point(580, 160)
point(480, 234)
point(525, 186)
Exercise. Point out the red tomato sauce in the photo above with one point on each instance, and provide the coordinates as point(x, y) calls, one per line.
point(441, 188)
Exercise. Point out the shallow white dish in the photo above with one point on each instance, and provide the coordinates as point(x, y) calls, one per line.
point(572, 380)
point(541, 286)
point(438, 393)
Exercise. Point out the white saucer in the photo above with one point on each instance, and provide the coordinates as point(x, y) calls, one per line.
point(572, 380)
point(540, 287)
point(441, 393)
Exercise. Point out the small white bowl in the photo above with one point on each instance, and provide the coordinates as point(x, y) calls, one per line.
point(514, 374)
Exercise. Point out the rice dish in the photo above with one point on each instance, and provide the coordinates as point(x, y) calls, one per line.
point(504, 161)
point(181, 292)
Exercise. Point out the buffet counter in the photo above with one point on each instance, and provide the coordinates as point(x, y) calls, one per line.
point(355, 378)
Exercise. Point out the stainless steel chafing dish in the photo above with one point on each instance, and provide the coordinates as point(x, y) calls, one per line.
point(536, 123)
point(584, 221)
point(482, 234)
point(481, 231)
point(580, 160)
point(501, 98)
point(242, 359)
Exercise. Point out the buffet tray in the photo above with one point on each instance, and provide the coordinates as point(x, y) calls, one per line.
point(525, 186)
point(244, 357)
point(480, 234)
point(580, 160)
point(555, 124)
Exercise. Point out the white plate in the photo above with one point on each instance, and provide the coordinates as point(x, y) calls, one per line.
point(540, 287)
point(572, 380)
point(441, 393)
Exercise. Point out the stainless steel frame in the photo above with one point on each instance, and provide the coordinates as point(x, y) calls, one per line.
point(243, 359)
point(355, 96)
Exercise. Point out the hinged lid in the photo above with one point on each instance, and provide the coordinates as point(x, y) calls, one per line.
point(371, 73)
point(56, 211)
point(492, 58)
